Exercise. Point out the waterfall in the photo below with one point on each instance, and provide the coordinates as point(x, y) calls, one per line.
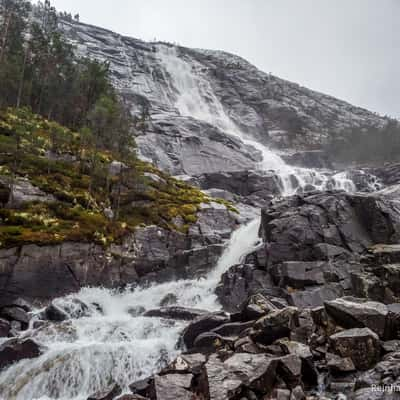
point(114, 342)
point(193, 96)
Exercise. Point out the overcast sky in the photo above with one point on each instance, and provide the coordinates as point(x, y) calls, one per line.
point(347, 48)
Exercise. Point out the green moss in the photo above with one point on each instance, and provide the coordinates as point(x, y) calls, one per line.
point(81, 194)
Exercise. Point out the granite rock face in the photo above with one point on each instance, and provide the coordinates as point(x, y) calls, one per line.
point(231, 96)
point(151, 254)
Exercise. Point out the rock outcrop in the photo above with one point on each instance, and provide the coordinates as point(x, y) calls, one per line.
point(151, 254)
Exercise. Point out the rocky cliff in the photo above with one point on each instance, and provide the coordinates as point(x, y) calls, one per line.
point(199, 104)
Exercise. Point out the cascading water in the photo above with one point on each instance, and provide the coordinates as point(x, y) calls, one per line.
point(112, 342)
point(193, 96)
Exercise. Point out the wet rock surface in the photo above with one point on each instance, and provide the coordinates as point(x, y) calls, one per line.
point(152, 254)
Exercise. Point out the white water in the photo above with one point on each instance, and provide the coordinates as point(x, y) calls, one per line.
point(86, 354)
point(113, 343)
point(194, 97)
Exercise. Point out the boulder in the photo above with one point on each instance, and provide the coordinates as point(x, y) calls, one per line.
point(233, 329)
point(386, 374)
point(187, 363)
point(314, 296)
point(240, 282)
point(293, 227)
point(275, 325)
point(385, 253)
point(24, 192)
point(15, 350)
point(55, 314)
point(350, 312)
point(202, 324)
point(241, 371)
point(108, 394)
point(178, 313)
point(299, 274)
point(289, 369)
point(172, 387)
point(339, 364)
point(392, 330)
point(5, 328)
point(256, 307)
point(209, 342)
point(360, 345)
point(16, 314)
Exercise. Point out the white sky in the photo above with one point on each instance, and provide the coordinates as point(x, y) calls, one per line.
point(347, 48)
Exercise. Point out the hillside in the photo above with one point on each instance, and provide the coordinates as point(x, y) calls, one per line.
point(198, 103)
point(54, 187)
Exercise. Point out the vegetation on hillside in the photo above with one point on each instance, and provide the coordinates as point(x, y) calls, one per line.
point(97, 194)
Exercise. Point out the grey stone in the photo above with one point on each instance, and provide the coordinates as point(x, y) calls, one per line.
point(360, 345)
point(351, 312)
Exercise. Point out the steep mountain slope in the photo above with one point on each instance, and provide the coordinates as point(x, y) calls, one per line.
point(201, 104)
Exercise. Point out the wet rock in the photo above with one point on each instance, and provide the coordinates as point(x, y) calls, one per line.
point(243, 183)
point(233, 329)
point(339, 364)
point(187, 363)
point(169, 300)
point(350, 312)
point(16, 314)
point(314, 296)
point(109, 394)
point(385, 374)
point(55, 314)
point(257, 306)
point(294, 227)
point(275, 325)
point(386, 253)
point(391, 346)
point(209, 342)
point(172, 387)
point(309, 159)
point(361, 345)
point(15, 350)
point(298, 274)
point(240, 282)
point(289, 369)
point(202, 324)
point(297, 394)
point(247, 345)
point(20, 303)
point(279, 394)
point(5, 328)
point(179, 313)
point(252, 371)
point(74, 308)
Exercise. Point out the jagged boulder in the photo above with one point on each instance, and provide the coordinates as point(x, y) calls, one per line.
point(227, 379)
point(179, 313)
point(294, 227)
point(14, 350)
point(350, 312)
point(5, 328)
point(108, 394)
point(242, 281)
point(202, 324)
point(360, 345)
point(275, 325)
